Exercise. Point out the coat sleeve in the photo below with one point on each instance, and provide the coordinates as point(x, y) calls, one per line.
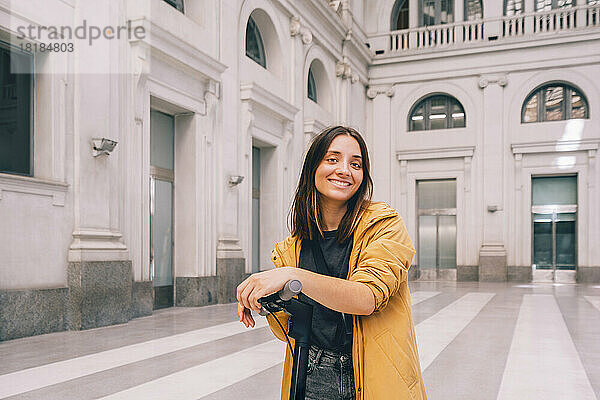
point(384, 262)
point(282, 317)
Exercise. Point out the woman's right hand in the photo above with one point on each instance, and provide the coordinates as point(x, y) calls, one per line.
point(245, 316)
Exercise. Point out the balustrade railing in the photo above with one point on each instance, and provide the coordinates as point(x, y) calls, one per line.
point(498, 29)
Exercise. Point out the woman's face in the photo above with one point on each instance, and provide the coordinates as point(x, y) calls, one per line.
point(340, 173)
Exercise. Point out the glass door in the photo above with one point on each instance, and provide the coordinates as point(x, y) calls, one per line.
point(554, 247)
point(162, 127)
point(436, 201)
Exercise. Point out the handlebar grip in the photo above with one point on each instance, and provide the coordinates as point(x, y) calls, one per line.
point(291, 288)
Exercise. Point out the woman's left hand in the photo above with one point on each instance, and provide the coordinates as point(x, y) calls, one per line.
point(262, 284)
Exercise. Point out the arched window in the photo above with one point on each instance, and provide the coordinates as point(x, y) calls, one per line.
point(312, 88)
point(178, 4)
point(254, 44)
point(554, 102)
point(513, 7)
point(438, 111)
point(400, 15)
point(473, 10)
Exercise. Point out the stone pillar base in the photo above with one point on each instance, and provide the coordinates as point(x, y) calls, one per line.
point(230, 273)
point(431, 274)
point(446, 275)
point(100, 293)
point(141, 299)
point(196, 291)
point(492, 264)
point(413, 273)
point(467, 273)
point(32, 312)
point(519, 273)
point(588, 274)
point(427, 274)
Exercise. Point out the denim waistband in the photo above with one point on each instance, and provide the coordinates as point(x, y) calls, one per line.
point(318, 354)
point(330, 375)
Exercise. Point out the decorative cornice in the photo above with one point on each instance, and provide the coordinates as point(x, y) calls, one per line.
point(256, 95)
point(555, 146)
point(430, 154)
point(34, 186)
point(296, 28)
point(313, 126)
point(173, 48)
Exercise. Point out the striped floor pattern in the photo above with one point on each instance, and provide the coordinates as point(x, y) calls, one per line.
point(476, 341)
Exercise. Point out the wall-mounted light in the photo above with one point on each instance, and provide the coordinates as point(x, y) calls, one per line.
point(235, 180)
point(102, 146)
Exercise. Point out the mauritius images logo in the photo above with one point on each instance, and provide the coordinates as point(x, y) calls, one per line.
point(85, 31)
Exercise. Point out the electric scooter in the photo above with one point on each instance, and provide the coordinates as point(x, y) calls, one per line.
point(299, 328)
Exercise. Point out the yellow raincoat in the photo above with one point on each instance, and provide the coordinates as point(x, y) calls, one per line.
point(384, 350)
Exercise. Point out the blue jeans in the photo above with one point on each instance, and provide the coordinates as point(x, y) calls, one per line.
point(330, 375)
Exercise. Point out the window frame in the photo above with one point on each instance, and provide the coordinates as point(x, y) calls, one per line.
point(466, 9)
point(396, 10)
point(426, 102)
point(311, 85)
point(566, 108)
point(12, 49)
point(176, 4)
point(252, 27)
point(554, 5)
point(521, 10)
point(438, 11)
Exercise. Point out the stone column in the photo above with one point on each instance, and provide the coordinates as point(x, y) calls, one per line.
point(459, 16)
point(413, 21)
point(99, 273)
point(381, 147)
point(590, 273)
point(413, 13)
point(492, 254)
point(459, 10)
point(529, 7)
point(493, 10)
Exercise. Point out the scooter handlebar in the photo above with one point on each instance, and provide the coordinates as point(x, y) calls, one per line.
point(292, 288)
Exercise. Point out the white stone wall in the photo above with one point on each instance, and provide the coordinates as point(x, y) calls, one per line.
point(495, 155)
point(193, 66)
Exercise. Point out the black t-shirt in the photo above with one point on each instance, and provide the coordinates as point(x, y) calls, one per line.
point(328, 330)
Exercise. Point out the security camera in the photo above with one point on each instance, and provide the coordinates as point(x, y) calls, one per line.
point(103, 146)
point(235, 180)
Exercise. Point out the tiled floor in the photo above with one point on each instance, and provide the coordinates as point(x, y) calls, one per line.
point(476, 341)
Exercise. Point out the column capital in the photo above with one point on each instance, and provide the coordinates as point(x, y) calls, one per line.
point(374, 91)
point(486, 80)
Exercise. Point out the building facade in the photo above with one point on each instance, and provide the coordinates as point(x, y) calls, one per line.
point(156, 168)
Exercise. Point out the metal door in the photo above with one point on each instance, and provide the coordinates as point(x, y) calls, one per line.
point(436, 201)
point(554, 229)
point(161, 207)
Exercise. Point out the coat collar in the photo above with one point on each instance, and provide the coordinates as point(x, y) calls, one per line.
point(375, 212)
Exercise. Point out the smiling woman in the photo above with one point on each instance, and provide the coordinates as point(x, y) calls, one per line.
point(352, 257)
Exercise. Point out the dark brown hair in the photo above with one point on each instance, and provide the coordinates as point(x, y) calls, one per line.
point(306, 214)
